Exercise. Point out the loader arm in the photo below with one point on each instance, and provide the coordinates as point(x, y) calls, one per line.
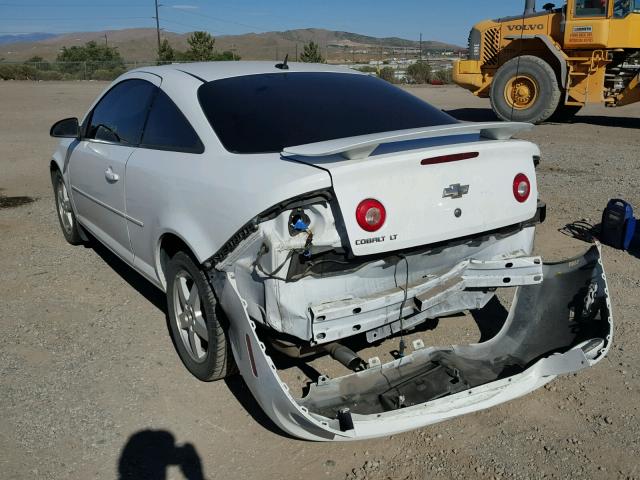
point(631, 94)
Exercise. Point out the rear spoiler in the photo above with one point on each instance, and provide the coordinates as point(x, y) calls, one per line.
point(361, 146)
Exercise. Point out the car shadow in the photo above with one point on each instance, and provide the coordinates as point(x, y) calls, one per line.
point(240, 390)
point(129, 275)
point(235, 383)
point(148, 453)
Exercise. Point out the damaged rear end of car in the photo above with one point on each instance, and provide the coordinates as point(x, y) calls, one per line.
point(418, 224)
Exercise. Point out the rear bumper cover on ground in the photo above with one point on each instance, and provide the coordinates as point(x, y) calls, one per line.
point(560, 326)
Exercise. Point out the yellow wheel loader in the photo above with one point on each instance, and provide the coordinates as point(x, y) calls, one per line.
point(547, 65)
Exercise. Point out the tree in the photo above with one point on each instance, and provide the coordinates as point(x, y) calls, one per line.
point(201, 44)
point(89, 57)
point(226, 56)
point(38, 62)
point(388, 74)
point(311, 53)
point(419, 72)
point(166, 53)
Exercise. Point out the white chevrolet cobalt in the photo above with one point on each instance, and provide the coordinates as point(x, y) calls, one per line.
point(303, 210)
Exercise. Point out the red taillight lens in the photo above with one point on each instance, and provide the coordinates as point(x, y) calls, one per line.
point(370, 215)
point(521, 188)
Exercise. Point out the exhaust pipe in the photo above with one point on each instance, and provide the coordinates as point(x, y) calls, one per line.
point(345, 356)
point(529, 7)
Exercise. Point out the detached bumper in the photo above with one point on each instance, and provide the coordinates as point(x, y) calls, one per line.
point(559, 326)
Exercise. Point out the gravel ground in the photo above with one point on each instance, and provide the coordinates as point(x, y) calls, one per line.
point(90, 385)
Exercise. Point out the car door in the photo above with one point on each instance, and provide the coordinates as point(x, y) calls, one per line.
point(97, 165)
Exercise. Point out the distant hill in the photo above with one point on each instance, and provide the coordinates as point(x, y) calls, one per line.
point(139, 44)
point(25, 37)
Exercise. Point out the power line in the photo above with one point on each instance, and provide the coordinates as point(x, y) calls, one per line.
point(218, 19)
point(30, 19)
point(158, 26)
point(197, 27)
point(58, 5)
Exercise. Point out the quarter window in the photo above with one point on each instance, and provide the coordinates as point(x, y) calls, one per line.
point(119, 116)
point(168, 129)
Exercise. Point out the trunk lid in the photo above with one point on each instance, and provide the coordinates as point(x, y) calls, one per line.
point(428, 202)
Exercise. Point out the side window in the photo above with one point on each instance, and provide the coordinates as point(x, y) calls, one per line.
point(120, 114)
point(591, 8)
point(168, 129)
point(622, 8)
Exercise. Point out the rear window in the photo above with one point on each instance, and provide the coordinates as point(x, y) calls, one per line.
point(268, 112)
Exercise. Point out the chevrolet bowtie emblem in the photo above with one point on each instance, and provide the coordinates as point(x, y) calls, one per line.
point(455, 191)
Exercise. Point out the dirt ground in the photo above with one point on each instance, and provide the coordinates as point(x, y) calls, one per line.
point(91, 387)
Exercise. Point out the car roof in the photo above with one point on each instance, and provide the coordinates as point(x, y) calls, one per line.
point(209, 71)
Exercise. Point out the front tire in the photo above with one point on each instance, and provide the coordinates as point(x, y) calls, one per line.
point(198, 325)
point(525, 89)
point(66, 217)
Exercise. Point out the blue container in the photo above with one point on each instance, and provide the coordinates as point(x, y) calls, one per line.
point(618, 224)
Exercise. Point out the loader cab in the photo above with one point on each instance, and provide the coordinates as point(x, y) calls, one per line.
point(587, 24)
point(605, 24)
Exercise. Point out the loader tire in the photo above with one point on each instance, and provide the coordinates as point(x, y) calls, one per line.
point(525, 89)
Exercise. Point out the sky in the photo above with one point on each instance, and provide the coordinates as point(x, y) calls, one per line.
point(448, 21)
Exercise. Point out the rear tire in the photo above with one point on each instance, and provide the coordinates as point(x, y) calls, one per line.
point(64, 211)
point(198, 325)
point(525, 89)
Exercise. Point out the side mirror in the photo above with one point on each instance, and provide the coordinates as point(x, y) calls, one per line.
point(66, 128)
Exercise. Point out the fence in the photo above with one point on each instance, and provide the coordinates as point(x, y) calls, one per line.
point(89, 70)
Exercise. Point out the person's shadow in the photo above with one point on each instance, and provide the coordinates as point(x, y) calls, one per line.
point(148, 453)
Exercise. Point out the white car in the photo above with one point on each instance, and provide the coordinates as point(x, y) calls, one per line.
point(298, 207)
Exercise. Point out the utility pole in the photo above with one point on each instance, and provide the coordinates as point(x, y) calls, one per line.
point(157, 26)
point(420, 46)
point(296, 51)
point(106, 41)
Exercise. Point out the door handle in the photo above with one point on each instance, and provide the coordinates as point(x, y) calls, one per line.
point(110, 176)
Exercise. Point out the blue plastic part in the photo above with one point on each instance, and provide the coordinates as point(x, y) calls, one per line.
point(618, 224)
point(630, 233)
point(300, 225)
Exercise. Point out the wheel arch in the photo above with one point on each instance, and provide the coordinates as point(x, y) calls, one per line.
point(170, 243)
point(555, 57)
point(56, 164)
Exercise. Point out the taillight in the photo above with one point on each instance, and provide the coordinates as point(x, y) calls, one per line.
point(449, 158)
point(521, 187)
point(370, 215)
